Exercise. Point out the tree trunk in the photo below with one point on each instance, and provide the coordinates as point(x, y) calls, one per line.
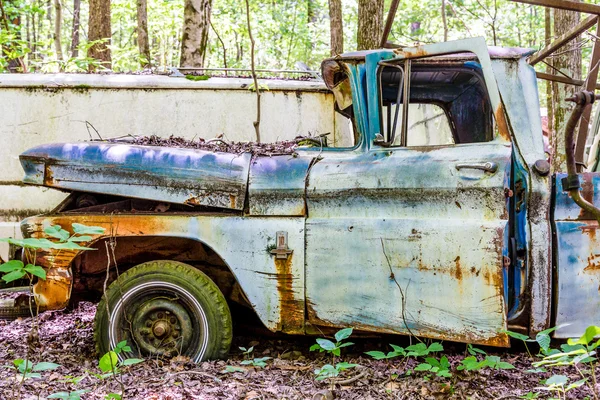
point(370, 24)
point(99, 28)
point(15, 20)
point(142, 33)
point(196, 23)
point(547, 41)
point(76, 22)
point(444, 23)
point(336, 27)
point(57, 29)
point(569, 62)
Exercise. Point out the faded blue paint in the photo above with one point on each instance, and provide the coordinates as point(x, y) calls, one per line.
point(174, 175)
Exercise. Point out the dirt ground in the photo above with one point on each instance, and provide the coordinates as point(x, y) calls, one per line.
point(66, 338)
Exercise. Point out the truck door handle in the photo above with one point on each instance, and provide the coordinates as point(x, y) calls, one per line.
point(484, 166)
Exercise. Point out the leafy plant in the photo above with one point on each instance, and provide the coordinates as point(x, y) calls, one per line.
point(329, 371)
point(326, 345)
point(474, 350)
point(440, 368)
point(422, 350)
point(27, 370)
point(542, 339)
point(471, 363)
point(257, 362)
point(247, 352)
point(109, 363)
point(556, 384)
point(74, 395)
point(380, 355)
point(576, 352)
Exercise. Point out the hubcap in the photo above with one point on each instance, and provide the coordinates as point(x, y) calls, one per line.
point(162, 327)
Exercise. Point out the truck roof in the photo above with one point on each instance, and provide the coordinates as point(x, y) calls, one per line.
point(494, 51)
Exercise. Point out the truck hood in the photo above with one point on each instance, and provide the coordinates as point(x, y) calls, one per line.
point(174, 175)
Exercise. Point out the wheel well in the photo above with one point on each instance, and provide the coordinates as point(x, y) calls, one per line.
point(90, 267)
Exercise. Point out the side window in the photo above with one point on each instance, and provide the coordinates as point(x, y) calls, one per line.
point(428, 125)
point(447, 103)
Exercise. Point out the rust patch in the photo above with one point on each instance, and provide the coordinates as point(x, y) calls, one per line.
point(291, 315)
point(502, 123)
point(457, 269)
point(587, 192)
point(232, 201)
point(418, 52)
point(593, 264)
point(48, 175)
point(590, 231)
point(54, 292)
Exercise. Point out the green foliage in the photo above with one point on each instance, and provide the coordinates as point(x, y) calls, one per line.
point(232, 368)
point(325, 345)
point(556, 384)
point(109, 363)
point(380, 355)
point(329, 371)
point(256, 362)
point(27, 370)
point(75, 395)
point(471, 363)
point(439, 368)
point(247, 352)
point(422, 350)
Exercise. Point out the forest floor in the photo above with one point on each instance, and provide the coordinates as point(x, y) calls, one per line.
point(66, 338)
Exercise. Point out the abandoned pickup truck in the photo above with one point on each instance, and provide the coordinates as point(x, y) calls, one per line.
point(440, 219)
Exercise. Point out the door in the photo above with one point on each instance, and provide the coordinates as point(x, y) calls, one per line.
point(411, 235)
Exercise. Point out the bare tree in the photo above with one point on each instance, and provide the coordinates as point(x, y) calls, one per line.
point(76, 23)
point(142, 33)
point(567, 61)
point(99, 29)
point(256, 123)
point(444, 23)
point(336, 29)
point(57, 29)
point(196, 24)
point(370, 24)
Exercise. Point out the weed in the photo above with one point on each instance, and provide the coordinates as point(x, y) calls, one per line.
point(440, 368)
point(257, 362)
point(74, 395)
point(556, 384)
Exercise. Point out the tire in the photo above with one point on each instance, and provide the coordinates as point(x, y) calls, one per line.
point(164, 309)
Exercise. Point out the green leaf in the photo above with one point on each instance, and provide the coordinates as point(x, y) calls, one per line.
point(113, 396)
point(397, 349)
point(232, 368)
point(576, 384)
point(87, 230)
point(131, 361)
point(57, 232)
point(518, 336)
point(59, 395)
point(557, 380)
point(423, 367)
point(377, 355)
point(444, 362)
point(587, 337)
point(325, 344)
point(36, 270)
point(108, 361)
point(13, 276)
point(339, 346)
point(344, 366)
point(433, 347)
point(80, 239)
point(343, 334)
point(45, 366)
point(11, 265)
point(314, 347)
point(504, 365)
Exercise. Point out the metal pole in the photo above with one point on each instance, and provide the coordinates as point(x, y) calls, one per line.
point(563, 39)
point(561, 79)
point(564, 5)
point(585, 119)
point(388, 23)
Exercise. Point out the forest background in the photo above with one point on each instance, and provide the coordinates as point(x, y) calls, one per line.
point(136, 35)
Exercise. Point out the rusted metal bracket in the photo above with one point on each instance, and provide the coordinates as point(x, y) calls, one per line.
point(582, 100)
point(564, 5)
point(388, 23)
point(563, 39)
point(282, 251)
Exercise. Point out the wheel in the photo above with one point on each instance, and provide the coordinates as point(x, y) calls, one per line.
point(164, 309)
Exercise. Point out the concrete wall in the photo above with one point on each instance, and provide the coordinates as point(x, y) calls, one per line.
point(38, 109)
